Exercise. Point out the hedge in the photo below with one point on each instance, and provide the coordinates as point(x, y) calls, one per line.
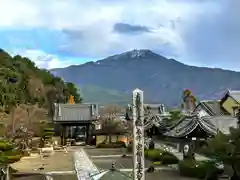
point(162, 156)
point(198, 169)
point(118, 144)
point(7, 153)
point(4, 145)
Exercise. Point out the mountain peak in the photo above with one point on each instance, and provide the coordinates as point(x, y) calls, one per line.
point(136, 53)
point(161, 79)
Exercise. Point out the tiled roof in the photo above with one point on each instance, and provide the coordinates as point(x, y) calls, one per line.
point(212, 107)
point(188, 124)
point(154, 109)
point(235, 95)
point(152, 116)
point(210, 124)
point(154, 120)
point(75, 112)
point(223, 123)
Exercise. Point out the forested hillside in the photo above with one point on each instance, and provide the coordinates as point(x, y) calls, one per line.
point(21, 82)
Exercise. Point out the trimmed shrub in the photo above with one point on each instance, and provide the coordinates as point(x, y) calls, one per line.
point(129, 148)
point(4, 145)
point(162, 156)
point(153, 154)
point(169, 159)
point(7, 153)
point(117, 144)
point(122, 144)
point(159, 155)
point(197, 169)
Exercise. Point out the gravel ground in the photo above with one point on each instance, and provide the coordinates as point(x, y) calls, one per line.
point(60, 161)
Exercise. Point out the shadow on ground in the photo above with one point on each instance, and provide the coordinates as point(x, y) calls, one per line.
point(43, 177)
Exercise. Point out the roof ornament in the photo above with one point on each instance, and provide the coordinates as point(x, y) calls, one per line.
point(71, 100)
point(189, 102)
point(199, 114)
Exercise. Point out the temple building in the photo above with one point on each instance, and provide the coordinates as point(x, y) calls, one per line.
point(154, 118)
point(199, 123)
point(74, 115)
point(228, 105)
point(210, 108)
point(201, 126)
point(231, 101)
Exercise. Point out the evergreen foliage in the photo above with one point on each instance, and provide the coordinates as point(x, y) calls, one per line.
point(8, 154)
point(22, 82)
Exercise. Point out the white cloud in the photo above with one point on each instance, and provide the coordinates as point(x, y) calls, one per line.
point(55, 14)
point(177, 26)
point(43, 60)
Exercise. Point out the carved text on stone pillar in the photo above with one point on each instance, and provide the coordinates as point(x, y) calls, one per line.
point(138, 135)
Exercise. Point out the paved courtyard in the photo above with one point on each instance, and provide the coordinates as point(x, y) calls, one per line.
point(103, 159)
point(60, 165)
point(93, 158)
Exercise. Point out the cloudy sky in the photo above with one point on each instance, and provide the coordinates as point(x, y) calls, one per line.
point(58, 33)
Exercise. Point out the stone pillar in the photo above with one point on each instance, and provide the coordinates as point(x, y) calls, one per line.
point(61, 127)
point(87, 133)
point(188, 151)
point(64, 135)
point(90, 129)
point(138, 136)
point(7, 173)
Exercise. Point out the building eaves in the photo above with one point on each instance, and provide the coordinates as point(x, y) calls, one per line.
point(188, 124)
point(235, 94)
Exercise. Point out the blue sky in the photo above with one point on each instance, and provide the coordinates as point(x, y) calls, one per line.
point(58, 33)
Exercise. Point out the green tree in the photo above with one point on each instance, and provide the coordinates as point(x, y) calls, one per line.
point(226, 149)
point(21, 82)
point(74, 91)
point(8, 155)
point(175, 115)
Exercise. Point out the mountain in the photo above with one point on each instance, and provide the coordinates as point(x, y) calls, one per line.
point(94, 94)
point(163, 80)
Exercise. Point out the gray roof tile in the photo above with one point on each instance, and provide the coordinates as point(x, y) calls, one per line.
point(75, 112)
point(235, 95)
point(210, 124)
point(188, 123)
point(212, 107)
point(223, 123)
